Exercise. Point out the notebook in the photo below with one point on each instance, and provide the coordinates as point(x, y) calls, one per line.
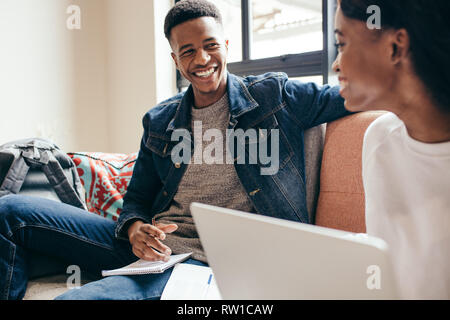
point(145, 267)
point(191, 282)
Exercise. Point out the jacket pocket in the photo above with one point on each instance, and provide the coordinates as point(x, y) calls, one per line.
point(265, 145)
point(163, 146)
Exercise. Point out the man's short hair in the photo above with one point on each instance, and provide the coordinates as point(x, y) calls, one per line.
point(187, 10)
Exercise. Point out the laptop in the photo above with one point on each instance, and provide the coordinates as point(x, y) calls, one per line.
point(263, 258)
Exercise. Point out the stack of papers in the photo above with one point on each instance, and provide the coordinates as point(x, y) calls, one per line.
point(191, 282)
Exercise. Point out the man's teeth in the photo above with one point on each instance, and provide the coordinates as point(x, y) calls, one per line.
point(206, 73)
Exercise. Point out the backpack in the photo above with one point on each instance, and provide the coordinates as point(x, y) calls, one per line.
point(38, 167)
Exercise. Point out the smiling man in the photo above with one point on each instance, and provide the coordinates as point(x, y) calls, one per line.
point(267, 114)
point(216, 100)
point(200, 54)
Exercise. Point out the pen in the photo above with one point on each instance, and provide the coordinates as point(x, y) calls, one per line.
point(208, 285)
point(154, 224)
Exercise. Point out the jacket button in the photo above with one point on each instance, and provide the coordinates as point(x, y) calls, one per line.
point(165, 193)
point(177, 165)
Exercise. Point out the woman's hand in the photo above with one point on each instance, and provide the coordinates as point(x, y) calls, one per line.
point(146, 240)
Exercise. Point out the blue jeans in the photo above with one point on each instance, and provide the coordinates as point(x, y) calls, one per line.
point(75, 236)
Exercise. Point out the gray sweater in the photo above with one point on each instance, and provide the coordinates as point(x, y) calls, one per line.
point(215, 184)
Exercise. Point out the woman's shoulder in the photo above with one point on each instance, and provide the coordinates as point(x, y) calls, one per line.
point(383, 127)
point(384, 124)
point(381, 131)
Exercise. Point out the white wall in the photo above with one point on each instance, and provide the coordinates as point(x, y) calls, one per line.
point(85, 89)
point(139, 67)
point(90, 90)
point(36, 77)
point(164, 76)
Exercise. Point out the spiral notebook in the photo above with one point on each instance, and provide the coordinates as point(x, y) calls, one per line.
point(146, 267)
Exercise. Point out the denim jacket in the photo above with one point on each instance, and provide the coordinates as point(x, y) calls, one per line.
point(268, 101)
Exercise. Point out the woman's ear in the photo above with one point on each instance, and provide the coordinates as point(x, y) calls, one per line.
point(400, 45)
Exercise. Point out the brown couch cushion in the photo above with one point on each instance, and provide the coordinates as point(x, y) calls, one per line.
point(341, 197)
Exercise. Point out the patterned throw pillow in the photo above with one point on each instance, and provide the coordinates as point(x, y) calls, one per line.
point(105, 177)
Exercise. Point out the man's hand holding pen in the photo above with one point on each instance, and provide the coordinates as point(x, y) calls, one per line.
point(146, 240)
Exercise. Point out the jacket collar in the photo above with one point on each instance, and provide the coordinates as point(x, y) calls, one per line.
point(240, 102)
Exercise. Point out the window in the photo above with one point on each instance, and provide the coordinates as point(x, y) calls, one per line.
point(285, 27)
point(291, 36)
point(232, 23)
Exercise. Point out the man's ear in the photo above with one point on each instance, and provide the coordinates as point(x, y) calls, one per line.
point(174, 57)
point(400, 45)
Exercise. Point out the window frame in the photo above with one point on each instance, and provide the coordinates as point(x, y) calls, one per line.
point(314, 63)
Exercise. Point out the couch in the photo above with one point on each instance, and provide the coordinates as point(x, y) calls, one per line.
point(335, 195)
